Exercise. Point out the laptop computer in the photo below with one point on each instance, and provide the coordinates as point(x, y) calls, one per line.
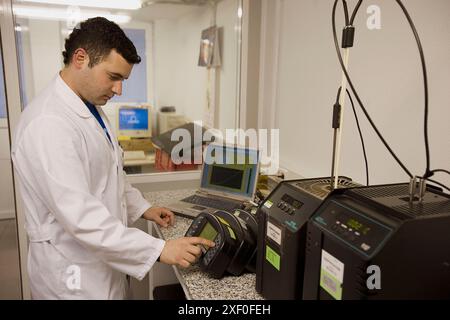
point(228, 180)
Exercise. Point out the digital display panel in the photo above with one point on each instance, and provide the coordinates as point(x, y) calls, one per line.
point(208, 232)
point(295, 203)
point(357, 226)
point(133, 119)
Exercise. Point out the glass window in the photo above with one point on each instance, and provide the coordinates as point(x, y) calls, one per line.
point(182, 78)
point(135, 88)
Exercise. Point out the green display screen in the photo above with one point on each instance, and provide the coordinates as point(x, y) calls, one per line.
point(357, 226)
point(208, 232)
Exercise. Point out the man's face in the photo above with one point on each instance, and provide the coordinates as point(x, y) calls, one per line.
point(104, 80)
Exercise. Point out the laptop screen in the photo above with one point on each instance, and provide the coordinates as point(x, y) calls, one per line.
point(229, 169)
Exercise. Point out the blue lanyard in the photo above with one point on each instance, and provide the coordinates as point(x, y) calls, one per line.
point(97, 116)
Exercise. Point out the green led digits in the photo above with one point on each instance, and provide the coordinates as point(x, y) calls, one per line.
point(352, 223)
point(357, 226)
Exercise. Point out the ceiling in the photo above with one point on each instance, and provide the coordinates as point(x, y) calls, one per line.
point(151, 9)
point(164, 10)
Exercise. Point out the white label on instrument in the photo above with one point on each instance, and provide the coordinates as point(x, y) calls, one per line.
point(332, 275)
point(268, 204)
point(274, 233)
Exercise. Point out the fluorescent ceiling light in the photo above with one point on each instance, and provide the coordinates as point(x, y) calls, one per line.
point(107, 4)
point(21, 28)
point(64, 14)
point(240, 12)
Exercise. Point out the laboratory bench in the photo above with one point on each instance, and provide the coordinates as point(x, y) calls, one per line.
point(196, 284)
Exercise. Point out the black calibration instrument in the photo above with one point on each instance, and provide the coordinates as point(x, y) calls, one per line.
point(282, 220)
point(376, 243)
point(234, 236)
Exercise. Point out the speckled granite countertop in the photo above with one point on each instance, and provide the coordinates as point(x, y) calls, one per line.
point(197, 284)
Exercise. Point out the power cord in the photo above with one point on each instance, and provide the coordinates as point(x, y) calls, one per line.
point(427, 173)
point(336, 117)
point(440, 170)
point(347, 41)
point(436, 182)
point(361, 137)
point(439, 184)
point(357, 96)
point(355, 11)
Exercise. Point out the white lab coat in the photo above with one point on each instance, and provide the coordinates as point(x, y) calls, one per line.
point(77, 202)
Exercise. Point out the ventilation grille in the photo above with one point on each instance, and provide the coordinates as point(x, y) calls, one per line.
point(321, 187)
point(421, 209)
point(384, 191)
point(397, 198)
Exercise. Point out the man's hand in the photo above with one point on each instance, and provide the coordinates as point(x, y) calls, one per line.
point(162, 216)
point(183, 251)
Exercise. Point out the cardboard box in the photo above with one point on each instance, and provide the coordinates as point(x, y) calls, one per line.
point(164, 162)
point(144, 144)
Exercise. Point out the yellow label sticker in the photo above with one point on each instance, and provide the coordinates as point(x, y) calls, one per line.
point(233, 236)
point(223, 221)
point(273, 257)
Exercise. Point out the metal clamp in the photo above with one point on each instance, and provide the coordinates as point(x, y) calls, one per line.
point(414, 188)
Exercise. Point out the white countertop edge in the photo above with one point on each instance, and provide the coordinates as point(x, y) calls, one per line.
point(164, 177)
point(175, 268)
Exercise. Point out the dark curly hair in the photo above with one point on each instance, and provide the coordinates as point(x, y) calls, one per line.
point(98, 36)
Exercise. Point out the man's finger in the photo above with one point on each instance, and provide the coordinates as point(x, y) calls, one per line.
point(160, 221)
point(184, 264)
point(166, 213)
point(195, 250)
point(190, 257)
point(169, 219)
point(198, 240)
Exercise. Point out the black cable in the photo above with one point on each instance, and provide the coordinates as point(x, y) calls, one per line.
point(338, 96)
point(359, 129)
point(356, 94)
point(361, 137)
point(347, 21)
point(428, 173)
point(439, 184)
point(440, 170)
point(425, 84)
point(355, 11)
point(432, 172)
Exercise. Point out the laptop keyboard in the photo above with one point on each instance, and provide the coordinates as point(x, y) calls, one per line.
point(213, 203)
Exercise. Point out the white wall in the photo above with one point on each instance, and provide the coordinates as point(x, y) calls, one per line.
point(228, 77)
point(250, 70)
point(45, 51)
point(179, 80)
point(386, 70)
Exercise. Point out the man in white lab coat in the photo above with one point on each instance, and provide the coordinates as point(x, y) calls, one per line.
point(77, 202)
